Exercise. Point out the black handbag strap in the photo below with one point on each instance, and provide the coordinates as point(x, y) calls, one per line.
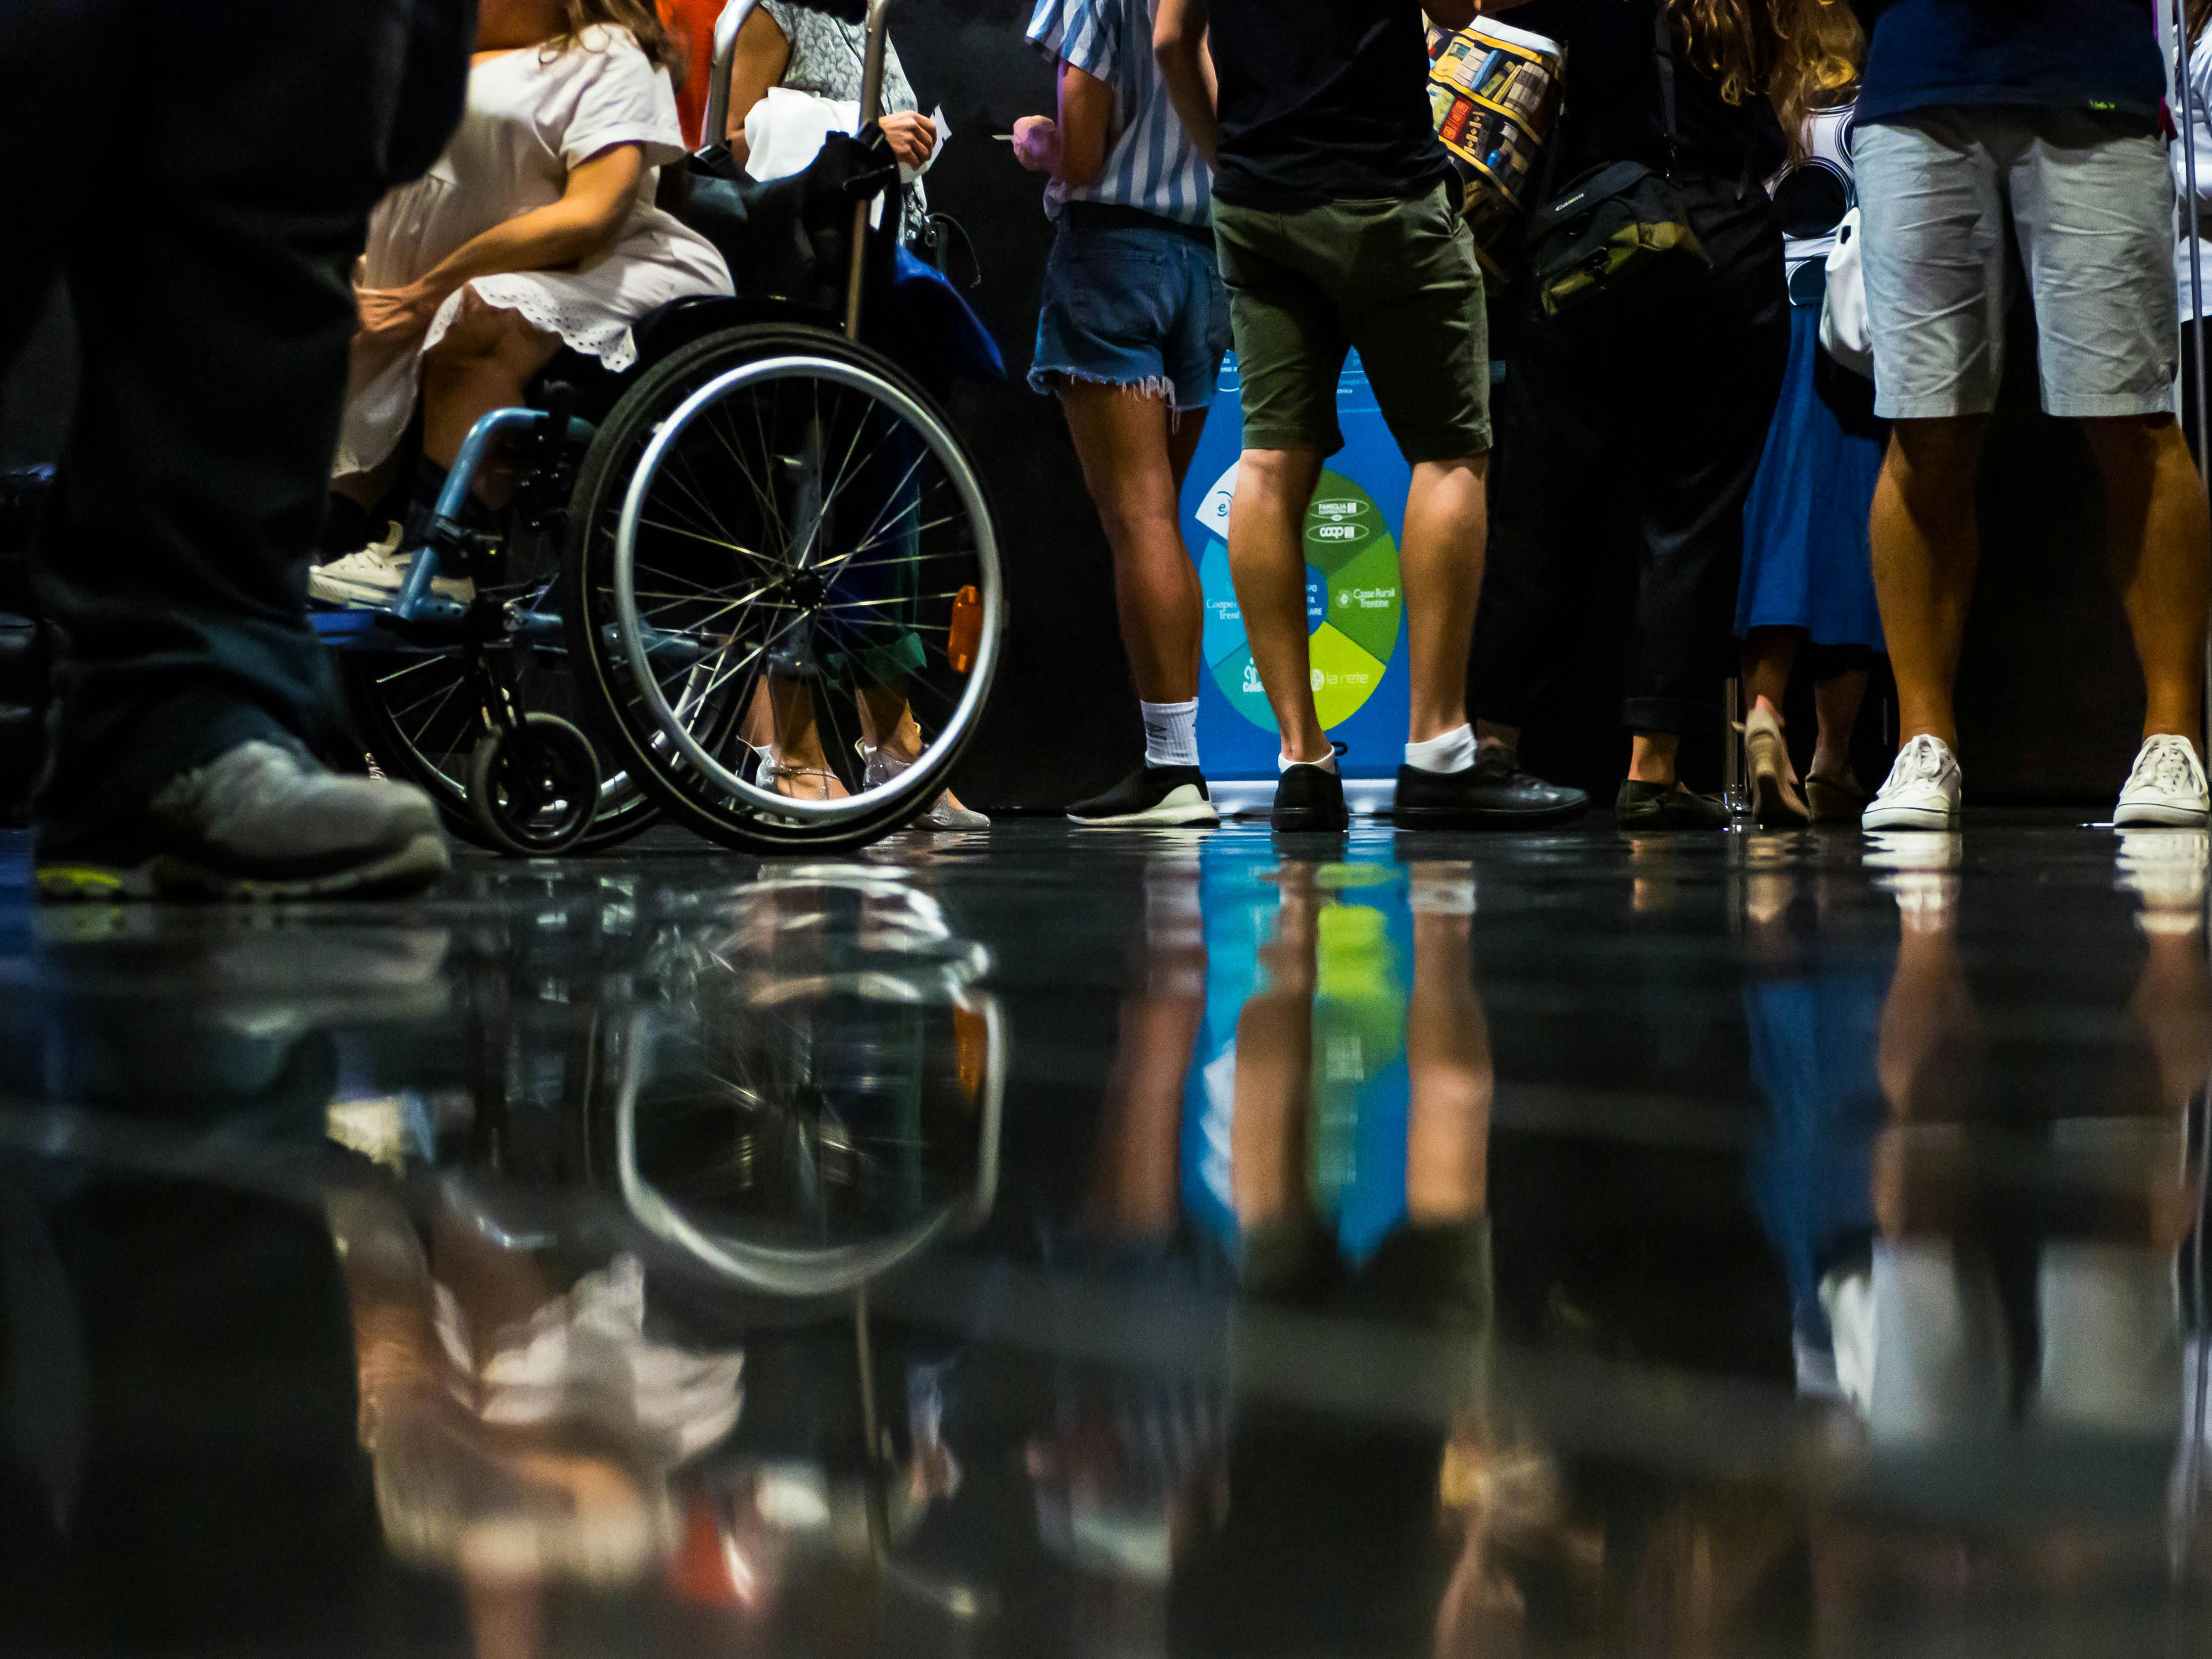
point(1666, 35)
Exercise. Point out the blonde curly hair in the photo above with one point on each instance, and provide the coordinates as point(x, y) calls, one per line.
point(1802, 54)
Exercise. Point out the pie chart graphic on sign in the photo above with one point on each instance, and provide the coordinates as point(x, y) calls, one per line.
point(1352, 602)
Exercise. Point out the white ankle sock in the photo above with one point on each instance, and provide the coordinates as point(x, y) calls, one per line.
point(1171, 733)
point(1284, 762)
point(1452, 752)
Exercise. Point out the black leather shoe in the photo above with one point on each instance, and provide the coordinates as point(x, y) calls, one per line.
point(1668, 806)
point(1494, 794)
point(1309, 799)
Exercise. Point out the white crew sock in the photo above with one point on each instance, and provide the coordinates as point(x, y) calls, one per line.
point(1452, 752)
point(1171, 733)
point(1328, 763)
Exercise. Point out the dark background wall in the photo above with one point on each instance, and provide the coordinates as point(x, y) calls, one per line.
point(2051, 697)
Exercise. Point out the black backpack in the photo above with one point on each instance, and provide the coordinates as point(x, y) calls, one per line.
point(1615, 226)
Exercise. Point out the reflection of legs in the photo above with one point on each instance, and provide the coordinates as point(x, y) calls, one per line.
point(1927, 1060)
point(1920, 1345)
point(1926, 549)
point(1133, 1192)
point(1273, 1091)
point(1134, 454)
point(1267, 560)
point(1451, 1079)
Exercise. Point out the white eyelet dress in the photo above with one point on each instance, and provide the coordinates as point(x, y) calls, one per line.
point(531, 116)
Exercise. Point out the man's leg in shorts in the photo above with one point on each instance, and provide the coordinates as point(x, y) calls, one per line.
point(2156, 519)
point(1935, 263)
point(2093, 202)
point(1289, 352)
point(1415, 304)
point(1927, 547)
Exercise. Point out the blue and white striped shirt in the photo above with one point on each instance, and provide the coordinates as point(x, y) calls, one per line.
point(1151, 163)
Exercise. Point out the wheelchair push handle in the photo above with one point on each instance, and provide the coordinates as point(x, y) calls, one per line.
point(877, 17)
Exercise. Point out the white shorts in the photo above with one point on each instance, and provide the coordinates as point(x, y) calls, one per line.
point(2090, 204)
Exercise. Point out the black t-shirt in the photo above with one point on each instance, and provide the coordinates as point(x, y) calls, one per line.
point(1614, 112)
point(1323, 100)
point(2070, 54)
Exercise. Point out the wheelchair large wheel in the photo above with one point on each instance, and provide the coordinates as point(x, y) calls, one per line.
point(782, 561)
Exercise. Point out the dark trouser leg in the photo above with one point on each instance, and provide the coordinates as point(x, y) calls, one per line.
point(214, 355)
point(1543, 476)
point(1702, 426)
point(214, 310)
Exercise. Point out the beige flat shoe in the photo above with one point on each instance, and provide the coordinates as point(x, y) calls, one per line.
point(1775, 802)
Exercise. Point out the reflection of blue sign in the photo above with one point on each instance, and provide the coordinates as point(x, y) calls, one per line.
point(1354, 607)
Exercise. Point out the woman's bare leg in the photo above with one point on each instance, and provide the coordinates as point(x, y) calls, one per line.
point(488, 357)
point(1837, 703)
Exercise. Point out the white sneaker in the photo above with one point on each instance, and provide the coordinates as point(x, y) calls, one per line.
point(1921, 790)
point(2166, 786)
point(372, 577)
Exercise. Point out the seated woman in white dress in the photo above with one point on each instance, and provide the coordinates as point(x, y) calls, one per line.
point(536, 229)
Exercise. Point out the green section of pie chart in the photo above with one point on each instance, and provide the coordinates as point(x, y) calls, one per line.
point(1342, 522)
point(1365, 600)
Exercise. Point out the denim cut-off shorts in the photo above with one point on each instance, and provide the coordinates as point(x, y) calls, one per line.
point(1131, 304)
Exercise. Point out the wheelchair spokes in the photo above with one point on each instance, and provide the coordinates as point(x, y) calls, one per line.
point(800, 584)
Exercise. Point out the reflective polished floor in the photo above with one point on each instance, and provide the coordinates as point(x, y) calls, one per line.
point(1120, 1246)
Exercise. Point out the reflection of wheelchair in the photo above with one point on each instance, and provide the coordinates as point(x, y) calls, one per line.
point(759, 558)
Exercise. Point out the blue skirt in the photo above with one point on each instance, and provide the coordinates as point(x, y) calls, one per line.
point(1806, 561)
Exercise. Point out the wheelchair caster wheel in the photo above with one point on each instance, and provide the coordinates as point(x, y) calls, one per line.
point(534, 793)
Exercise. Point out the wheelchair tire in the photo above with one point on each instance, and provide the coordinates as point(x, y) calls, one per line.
point(771, 444)
point(387, 692)
point(533, 793)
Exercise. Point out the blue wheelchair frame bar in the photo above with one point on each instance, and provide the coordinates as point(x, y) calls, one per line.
point(447, 529)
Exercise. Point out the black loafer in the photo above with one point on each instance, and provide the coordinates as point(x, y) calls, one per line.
point(1668, 806)
point(1309, 799)
point(1494, 794)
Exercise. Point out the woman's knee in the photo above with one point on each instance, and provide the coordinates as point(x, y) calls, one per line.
point(483, 336)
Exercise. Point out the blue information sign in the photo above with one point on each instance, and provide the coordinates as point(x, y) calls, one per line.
point(1355, 607)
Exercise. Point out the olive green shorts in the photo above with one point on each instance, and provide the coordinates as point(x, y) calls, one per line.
point(1396, 278)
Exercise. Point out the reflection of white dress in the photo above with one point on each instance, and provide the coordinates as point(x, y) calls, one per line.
point(530, 117)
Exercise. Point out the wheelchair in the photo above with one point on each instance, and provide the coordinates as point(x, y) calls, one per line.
point(756, 571)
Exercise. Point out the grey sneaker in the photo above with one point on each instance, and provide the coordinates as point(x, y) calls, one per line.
point(262, 821)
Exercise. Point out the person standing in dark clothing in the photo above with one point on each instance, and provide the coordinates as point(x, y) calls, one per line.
point(1338, 229)
point(1653, 402)
point(201, 179)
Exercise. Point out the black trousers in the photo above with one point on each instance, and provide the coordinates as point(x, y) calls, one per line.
point(1653, 413)
point(200, 176)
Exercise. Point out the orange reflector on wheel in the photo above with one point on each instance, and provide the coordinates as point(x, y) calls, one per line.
point(971, 1049)
point(966, 633)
